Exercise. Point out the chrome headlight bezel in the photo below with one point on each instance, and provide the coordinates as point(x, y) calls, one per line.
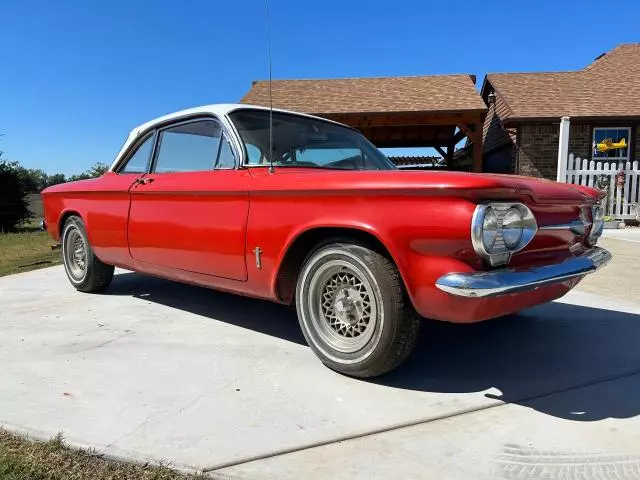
point(597, 224)
point(499, 253)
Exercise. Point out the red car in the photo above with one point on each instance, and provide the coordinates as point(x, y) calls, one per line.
point(295, 208)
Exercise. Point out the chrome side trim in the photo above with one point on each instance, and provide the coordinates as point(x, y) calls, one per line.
point(505, 281)
point(576, 226)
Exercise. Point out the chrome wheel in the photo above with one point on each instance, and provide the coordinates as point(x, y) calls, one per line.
point(353, 310)
point(86, 272)
point(75, 254)
point(343, 306)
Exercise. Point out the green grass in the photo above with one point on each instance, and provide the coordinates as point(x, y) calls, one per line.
point(23, 459)
point(27, 249)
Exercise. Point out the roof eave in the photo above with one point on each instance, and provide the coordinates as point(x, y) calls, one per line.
point(484, 90)
point(515, 121)
point(476, 111)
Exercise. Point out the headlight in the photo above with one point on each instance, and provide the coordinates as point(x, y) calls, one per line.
point(512, 228)
point(597, 213)
point(500, 229)
point(597, 217)
point(490, 229)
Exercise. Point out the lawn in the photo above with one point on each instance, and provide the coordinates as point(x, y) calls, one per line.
point(26, 250)
point(23, 459)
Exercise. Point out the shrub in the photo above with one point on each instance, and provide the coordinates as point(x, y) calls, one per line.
point(14, 208)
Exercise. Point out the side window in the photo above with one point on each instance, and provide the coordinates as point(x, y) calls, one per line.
point(226, 159)
point(254, 154)
point(348, 156)
point(139, 161)
point(190, 147)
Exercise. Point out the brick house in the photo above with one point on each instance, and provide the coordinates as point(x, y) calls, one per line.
point(522, 125)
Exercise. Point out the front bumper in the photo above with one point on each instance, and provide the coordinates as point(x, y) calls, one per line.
point(505, 281)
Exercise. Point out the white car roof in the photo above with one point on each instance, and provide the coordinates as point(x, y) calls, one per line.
point(221, 110)
point(218, 109)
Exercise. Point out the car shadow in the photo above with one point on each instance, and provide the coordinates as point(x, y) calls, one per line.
point(554, 347)
point(258, 315)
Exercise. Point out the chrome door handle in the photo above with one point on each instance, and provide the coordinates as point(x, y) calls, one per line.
point(144, 181)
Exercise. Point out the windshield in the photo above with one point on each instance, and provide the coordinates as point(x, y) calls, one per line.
point(305, 142)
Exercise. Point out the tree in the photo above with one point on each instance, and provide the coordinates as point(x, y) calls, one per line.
point(55, 179)
point(98, 169)
point(14, 207)
point(32, 180)
point(79, 176)
point(40, 178)
point(95, 171)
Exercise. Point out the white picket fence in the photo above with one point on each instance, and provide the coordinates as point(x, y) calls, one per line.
point(581, 171)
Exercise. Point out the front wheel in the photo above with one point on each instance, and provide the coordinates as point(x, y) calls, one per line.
point(354, 311)
point(85, 271)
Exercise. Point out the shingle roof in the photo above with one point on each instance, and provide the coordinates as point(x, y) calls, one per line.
point(439, 93)
point(609, 87)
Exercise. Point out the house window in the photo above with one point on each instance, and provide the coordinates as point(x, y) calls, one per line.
point(611, 143)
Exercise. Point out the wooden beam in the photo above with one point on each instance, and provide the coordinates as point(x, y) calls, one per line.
point(441, 151)
point(404, 143)
point(466, 129)
point(458, 136)
point(381, 120)
point(477, 148)
point(410, 136)
point(473, 131)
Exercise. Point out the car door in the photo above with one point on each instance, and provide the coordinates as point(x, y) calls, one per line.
point(190, 212)
point(106, 207)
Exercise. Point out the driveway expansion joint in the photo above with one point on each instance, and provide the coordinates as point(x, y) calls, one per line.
point(414, 423)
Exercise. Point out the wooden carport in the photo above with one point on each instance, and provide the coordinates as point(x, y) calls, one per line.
point(393, 112)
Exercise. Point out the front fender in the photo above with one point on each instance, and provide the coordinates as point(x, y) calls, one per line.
point(323, 230)
point(416, 230)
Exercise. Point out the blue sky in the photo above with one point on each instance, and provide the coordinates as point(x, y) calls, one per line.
point(77, 75)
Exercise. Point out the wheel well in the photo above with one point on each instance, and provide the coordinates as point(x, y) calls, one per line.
point(310, 241)
point(63, 220)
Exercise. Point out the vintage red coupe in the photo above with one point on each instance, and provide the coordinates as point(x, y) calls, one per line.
point(295, 208)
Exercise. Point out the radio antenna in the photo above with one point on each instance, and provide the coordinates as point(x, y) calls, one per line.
point(266, 10)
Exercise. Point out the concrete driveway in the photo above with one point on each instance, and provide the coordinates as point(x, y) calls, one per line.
point(157, 370)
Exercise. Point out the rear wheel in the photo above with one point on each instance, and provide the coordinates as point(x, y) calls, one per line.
point(354, 311)
point(85, 271)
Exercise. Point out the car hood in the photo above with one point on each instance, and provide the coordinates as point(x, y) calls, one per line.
point(71, 186)
point(478, 186)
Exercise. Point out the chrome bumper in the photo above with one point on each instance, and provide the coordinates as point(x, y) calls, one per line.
point(505, 281)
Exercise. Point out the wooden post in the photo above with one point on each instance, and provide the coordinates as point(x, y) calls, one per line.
point(474, 133)
point(477, 148)
point(451, 147)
